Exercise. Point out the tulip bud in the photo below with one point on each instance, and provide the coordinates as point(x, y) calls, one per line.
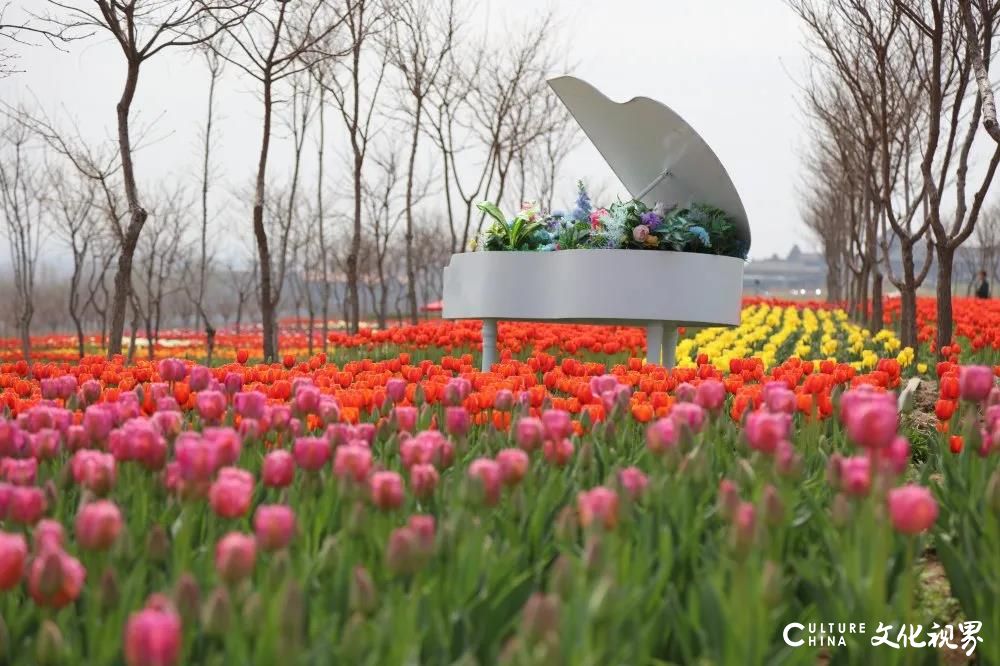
point(561, 582)
point(157, 544)
point(774, 508)
point(110, 592)
point(540, 617)
point(281, 564)
point(993, 492)
point(363, 595)
point(593, 553)
point(51, 493)
point(729, 499)
point(328, 552)
point(771, 583)
point(187, 597)
point(49, 645)
point(217, 614)
point(292, 617)
point(566, 524)
point(840, 511)
point(252, 611)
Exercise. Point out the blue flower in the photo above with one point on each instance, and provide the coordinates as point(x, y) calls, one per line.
point(583, 206)
point(701, 234)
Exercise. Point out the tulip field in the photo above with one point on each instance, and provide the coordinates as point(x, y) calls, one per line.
point(786, 495)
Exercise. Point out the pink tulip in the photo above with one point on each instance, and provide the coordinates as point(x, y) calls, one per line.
point(98, 420)
point(199, 378)
point(153, 638)
point(172, 370)
point(250, 404)
point(278, 469)
point(48, 533)
point(744, 525)
point(873, 424)
point(406, 417)
point(863, 395)
point(197, 459)
point(602, 383)
point(489, 477)
point(226, 442)
point(514, 465)
point(230, 495)
point(98, 525)
point(274, 526)
point(457, 421)
point(19, 472)
point(280, 417)
point(558, 424)
point(598, 506)
point(386, 490)
point(558, 452)
point(912, 509)
point(764, 430)
point(975, 382)
point(311, 453)
point(424, 527)
point(169, 423)
point(689, 414)
point(404, 554)
point(778, 398)
point(504, 400)
point(13, 554)
point(328, 410)
point(423, 480)
point(422, 448)
point(211, 406)
point(232, 383)
point(352, 461)
point(55, 579)
point(90, 391)
point(395, 389)
point(729, 499)
point(662, 435)
point(895, 457)
point(94, 470)
point(306, 399)
point(529, 433)
point(235, 556)
point(856, 475)
point(457, 390)
point(711, 394)
point(26, 505)
point(685, 392)
point(633, 481)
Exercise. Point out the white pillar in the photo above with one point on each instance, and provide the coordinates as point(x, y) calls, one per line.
point(654, 341)
point(669, 345)
point(489, 343)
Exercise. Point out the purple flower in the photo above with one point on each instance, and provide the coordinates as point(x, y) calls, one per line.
point(651, 219)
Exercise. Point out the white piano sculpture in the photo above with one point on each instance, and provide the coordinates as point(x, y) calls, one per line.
point(659, 158)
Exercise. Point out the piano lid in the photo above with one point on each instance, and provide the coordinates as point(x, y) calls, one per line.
point(641, 140)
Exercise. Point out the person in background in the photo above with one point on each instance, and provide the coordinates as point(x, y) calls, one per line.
point(983, 290)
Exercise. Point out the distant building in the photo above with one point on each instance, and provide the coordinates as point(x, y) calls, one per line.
point(798, 274)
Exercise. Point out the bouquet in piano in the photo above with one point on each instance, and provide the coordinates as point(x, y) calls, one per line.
point(623, 225)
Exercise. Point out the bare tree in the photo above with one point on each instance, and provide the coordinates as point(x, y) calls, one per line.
point(21, 198)
point(383, 199)
point(355, 97)
point(945, 63)
point(28, 31)
point(421, 41)
point(75, 219)
point(277, 41)
point(981, 55)
point(142, 29)
point(214, 64)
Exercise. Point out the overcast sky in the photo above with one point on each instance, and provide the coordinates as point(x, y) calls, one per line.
point(731, 68)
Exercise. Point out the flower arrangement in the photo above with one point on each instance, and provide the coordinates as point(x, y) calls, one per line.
point(699, 227)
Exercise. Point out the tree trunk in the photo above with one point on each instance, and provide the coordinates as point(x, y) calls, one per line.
point(137, 214)
point(945, 260)
point(875, 323)
point(267, 301)
point(411, 287)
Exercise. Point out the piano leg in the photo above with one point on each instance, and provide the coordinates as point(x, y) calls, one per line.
point(654, 341)
point(489, 343)
point(669, 345)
